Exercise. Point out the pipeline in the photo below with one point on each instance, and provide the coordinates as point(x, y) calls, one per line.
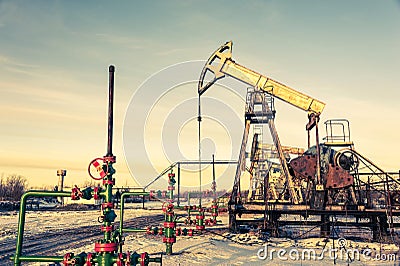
point(169, 231)
point(169, 226)
point(106, 249)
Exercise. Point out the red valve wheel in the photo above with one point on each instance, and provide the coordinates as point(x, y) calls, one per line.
point(99, 168)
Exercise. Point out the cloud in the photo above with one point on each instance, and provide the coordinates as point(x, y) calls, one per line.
point(129, 42)
point(13, 65)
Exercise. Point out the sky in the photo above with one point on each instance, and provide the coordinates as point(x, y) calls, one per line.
point(54, 58)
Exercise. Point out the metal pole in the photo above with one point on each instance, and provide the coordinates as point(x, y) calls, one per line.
point(214, 184)
point(143, 200)
point(199, 119)
point(318, 153)
point(111, 71)
point(61, 173)
point(179, 184)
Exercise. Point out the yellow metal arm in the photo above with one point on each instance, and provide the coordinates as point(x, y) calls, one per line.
point(221, 64)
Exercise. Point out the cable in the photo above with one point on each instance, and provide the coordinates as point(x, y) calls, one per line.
point(199, 144)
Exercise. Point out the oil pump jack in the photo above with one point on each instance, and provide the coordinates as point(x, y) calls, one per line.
point(317, 180)
point(221, 64)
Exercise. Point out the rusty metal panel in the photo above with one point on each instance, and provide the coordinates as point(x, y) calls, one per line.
point(337, 177)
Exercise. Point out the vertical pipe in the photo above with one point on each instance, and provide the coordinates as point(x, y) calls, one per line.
point(21, 218)
point(62, 188)
point(266, 179)
point(108, 186)
point(108, 210)
point(179, 183)
point(143, 200)
point(318, 152)
point(111, 71)
point(199, 140)
point(21, 225)
point(121, 215)
point(61, 173)
point(214, 184)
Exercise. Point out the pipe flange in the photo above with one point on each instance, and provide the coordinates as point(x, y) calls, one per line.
point(169, 240)
point(105, 247)
point(109, 159)
point(200, 227)
point(109, 182)
point(107, 205)
point(89, 259)
point(144, 259)
point(120, 259)
point(107, 228)
point(169, 224)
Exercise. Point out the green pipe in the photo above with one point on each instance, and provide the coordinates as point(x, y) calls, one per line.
point(40, 258)
point(109, 214)
point(121, 212)
point(134, 230)
point(158, 260)
point(21, 218)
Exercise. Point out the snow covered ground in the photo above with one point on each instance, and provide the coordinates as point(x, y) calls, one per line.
point(217, 247)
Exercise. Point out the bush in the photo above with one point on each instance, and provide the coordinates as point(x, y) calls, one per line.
point(12, 187)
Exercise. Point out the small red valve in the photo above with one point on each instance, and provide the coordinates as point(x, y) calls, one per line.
point(69, 260)
point(99, 168)
point(96, 193)
point(76, 193)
